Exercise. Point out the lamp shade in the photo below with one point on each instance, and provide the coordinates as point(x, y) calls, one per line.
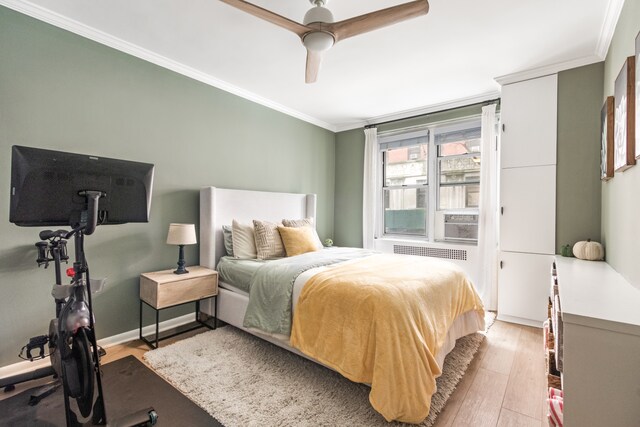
point(181, 234)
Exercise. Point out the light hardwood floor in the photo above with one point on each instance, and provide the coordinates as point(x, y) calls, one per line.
point(503, 387)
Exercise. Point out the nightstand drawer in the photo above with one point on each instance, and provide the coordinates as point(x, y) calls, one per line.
point(164, 289)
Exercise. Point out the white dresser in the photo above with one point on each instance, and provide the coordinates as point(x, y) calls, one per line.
point(601, 352)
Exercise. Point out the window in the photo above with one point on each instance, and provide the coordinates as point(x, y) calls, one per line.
point(405, 189)
point(458, 166)
point(431, 181)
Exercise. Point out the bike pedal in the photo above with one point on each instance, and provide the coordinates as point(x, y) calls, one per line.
point(37, 343)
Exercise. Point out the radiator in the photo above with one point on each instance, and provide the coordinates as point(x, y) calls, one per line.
point(453, 254)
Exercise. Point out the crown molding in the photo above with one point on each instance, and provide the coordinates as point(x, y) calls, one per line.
point(434, 108)
point(614, 9)
point(546, 70)
point(101, 37)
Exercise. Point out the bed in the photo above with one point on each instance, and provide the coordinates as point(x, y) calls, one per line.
point(219, 207)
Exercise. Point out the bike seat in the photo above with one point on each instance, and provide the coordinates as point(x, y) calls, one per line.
point(49, 234)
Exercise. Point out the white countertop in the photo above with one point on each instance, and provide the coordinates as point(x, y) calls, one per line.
point(593, 294)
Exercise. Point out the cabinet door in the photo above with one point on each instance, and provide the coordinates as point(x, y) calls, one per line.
point(529, 113)
point(523, 286)
point(528, 206)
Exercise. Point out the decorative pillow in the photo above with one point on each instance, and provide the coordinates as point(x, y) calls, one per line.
point(244, 242)
point(228, 239)
point(298, 240)
point(307, 222)
point(268, 241)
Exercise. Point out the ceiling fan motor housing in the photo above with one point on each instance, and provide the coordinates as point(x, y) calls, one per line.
point(318, 14)
point(318, 41)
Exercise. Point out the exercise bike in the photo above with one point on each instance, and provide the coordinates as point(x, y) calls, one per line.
point(73, 350)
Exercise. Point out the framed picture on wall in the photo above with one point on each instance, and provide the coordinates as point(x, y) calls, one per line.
point(607, 121)
point(625, 115)
point(637, 97)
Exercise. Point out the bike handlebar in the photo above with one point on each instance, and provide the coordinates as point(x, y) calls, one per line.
point(49, 234)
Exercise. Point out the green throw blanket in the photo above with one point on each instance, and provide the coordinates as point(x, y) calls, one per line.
point(271, 291)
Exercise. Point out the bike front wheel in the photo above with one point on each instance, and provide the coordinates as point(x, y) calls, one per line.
point(81, 352)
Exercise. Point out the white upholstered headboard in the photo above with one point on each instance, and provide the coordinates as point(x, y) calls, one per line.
point(219, 206)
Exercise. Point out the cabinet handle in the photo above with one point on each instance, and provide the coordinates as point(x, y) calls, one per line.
point(501, 210)
point(503, 127)
point(501, 263)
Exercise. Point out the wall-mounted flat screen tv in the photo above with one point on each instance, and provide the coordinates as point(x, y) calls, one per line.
point(47, 186)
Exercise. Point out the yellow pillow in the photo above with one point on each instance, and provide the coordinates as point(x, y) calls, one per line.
point(298, 240)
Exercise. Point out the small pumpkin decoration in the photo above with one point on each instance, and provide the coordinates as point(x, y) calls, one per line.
point(566, 251)
point(591, 251)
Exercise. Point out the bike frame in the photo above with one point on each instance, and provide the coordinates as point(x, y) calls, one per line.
point(86, 226)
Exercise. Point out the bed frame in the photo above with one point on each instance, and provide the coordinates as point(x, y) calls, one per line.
point(219, 206)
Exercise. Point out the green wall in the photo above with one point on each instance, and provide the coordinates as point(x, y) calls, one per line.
point(620, 195)
point(348, 191)
point(63, 92)
point(578, 162)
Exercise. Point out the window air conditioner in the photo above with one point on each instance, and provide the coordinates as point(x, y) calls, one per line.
point(461, 227)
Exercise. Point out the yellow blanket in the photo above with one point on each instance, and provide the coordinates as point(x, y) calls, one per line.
point(381, 320)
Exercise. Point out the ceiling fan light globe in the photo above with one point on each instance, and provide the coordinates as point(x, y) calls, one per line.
point(318, 41)
point(318, 14)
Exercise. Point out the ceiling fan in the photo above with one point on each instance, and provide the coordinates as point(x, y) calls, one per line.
point(318, 32)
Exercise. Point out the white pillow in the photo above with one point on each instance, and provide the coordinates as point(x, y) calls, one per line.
point(244, 242)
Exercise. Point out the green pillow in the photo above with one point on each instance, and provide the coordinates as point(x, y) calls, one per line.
point(228, 240)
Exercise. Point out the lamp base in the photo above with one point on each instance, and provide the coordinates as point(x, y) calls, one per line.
point(181, 269)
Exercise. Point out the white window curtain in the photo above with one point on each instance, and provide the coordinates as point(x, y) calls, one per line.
point(488, 224)
point(369, 187)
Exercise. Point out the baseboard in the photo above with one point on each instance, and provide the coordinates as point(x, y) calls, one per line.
point(519, 320)
point(26, 366)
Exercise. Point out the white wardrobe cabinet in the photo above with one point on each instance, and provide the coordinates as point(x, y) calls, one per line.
point(527, 198)
point(528, 209)
point(529, 111)
point(523, 287)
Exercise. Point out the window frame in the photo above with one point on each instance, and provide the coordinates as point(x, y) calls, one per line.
point(433, 184)
point(382, 188)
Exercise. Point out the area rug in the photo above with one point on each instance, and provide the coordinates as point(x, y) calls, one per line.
point(128, 386)
point(242, 380)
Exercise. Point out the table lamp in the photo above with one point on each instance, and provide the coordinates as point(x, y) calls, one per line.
point(181, 234)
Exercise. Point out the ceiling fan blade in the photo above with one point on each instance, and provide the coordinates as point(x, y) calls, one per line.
point(269, 16)
point(314, 58)
point(374, 20)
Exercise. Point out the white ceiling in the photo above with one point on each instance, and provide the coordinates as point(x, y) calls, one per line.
point(453, 53)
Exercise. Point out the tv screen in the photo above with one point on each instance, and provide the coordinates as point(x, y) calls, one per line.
point(46, 187)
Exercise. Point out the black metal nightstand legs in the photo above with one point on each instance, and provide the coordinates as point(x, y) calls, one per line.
point(198, 323)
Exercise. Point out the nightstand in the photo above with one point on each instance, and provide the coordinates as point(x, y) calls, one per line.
point(164, 289)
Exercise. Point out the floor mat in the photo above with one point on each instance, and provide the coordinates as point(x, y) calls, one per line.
point(128, 386)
